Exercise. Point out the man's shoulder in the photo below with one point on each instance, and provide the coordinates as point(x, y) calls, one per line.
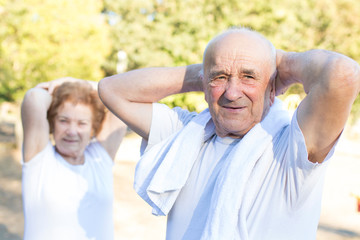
point(174, 114)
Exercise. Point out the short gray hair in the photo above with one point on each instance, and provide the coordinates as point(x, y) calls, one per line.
point(241, 29)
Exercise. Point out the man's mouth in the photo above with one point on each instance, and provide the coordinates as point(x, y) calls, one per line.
point(70, 140)
point(233, 107)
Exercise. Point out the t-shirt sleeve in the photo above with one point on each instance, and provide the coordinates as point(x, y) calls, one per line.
point(297, 147)
point(33, 171)
point(165, 122)
point(303, 177)
point(39, 157)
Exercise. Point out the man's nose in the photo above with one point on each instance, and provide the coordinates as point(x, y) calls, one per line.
point(234, 89)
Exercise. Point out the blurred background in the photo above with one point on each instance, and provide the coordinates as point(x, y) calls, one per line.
point(41, 40)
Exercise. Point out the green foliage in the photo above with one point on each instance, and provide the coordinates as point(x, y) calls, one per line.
point(46, 39)
point(193, 101)
point(355, 111)
point(175, 32)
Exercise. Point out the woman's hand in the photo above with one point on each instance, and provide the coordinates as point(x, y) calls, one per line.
point(51, 85)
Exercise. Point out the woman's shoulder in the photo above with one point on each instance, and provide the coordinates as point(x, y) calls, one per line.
point(95, 150)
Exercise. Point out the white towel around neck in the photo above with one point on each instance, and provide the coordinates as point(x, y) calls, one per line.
point(164, 169)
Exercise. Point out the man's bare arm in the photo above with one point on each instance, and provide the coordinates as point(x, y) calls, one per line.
point(130, 95)
point(332, 82)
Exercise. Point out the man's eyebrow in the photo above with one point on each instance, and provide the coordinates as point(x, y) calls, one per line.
point(213, 74)
point(248, 72)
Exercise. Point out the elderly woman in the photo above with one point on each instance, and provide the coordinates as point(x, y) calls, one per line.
point(67, 179)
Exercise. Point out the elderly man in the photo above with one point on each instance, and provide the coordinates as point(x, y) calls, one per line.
point(241, 169)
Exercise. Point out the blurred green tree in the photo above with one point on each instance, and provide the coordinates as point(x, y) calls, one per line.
point(46, 39)
point(175, 32)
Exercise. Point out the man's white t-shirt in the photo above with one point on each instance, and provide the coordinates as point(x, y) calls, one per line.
point(64, 201)
point(284, 204)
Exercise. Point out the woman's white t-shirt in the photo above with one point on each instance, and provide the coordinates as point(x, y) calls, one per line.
point(64, 201)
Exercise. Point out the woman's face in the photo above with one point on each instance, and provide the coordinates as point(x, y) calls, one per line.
point(72, 129)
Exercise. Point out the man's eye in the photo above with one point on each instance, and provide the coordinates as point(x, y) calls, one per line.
point(249, 77)
point(217, 81)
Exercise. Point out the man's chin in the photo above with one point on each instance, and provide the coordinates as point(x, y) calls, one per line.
point(234, 132)
point(231, 133)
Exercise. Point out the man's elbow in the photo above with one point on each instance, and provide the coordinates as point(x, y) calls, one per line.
point(353, 78)
point(357, 77)
point(112, 93)
point(348, 72)
point(104, 89)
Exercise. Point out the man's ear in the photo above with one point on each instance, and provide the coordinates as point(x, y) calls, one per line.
point(273, 87)
point(204, 85)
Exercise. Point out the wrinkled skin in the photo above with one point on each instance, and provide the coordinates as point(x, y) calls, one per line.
point(73, 131)
point(239, 71)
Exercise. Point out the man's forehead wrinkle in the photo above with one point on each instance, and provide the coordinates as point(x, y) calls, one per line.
point(239, 64)
point(236, 57)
